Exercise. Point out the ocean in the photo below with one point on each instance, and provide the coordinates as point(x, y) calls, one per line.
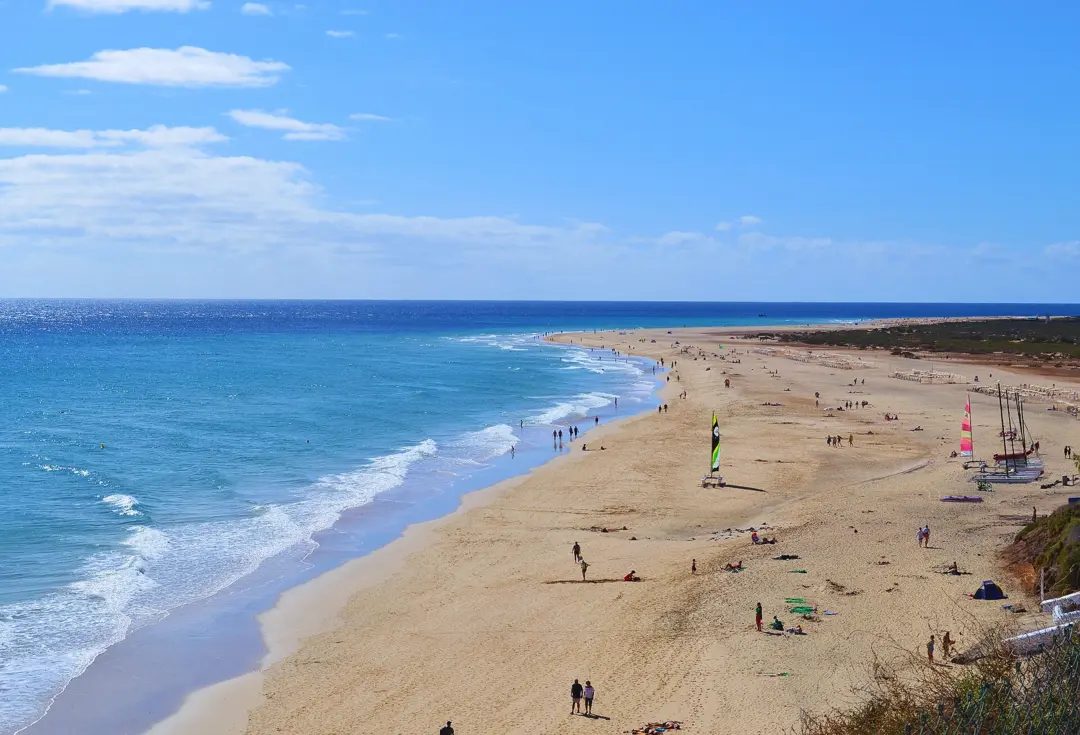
point(158, 456)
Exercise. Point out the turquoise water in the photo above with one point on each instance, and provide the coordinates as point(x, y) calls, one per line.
point(153, 454)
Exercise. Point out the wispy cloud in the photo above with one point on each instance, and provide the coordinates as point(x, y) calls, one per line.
point(369, 117)
point(393, 36)
point(77, 92)
point(785, 242)
point(747, 220)
point(124, 6)
point(255, 9)
point(187, 66)
point(3, 89)
point(294, 129)
point(340, 34)
point(1069, 249)
point(158, 136)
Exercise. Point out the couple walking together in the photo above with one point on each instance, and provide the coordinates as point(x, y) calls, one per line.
point(577, 693)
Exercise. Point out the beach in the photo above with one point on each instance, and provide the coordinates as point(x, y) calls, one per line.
point(481, 618)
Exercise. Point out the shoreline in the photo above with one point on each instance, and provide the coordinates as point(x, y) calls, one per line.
point(321, 605)
point(229, 618)
point(315, 606)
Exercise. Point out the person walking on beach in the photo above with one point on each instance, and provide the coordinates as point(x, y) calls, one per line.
point(576, 690)
point(946, 645)
point(589, 694)
point(828, 440)
point(757, 617)
point(926, 535)
point(448, 730)
point(851, 440)
point(930, 650)
point(584, 568)
point(693, 566)
point(554, 438)
point(577, 553)
point(560, 438)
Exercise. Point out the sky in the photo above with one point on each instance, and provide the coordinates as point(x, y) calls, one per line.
point(485, 149)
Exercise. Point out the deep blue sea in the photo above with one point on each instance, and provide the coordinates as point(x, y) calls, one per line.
point(154, 454)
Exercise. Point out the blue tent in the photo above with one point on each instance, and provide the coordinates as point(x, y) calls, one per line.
point(989, 591)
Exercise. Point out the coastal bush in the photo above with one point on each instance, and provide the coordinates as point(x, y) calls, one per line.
point(1032, 338)
point(997, 694)
point(1051, 545)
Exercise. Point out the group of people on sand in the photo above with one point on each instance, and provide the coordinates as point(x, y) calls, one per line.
point(632, 576)
point(947, 644)
point(924, 537)
point(856, 404)
point(578, 693)
point(838, 441)
point(776, 624)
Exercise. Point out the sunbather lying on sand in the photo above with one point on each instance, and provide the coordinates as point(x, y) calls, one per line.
point(797, 630)
point(729, 567)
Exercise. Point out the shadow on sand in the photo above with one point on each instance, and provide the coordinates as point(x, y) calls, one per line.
point(745, 487)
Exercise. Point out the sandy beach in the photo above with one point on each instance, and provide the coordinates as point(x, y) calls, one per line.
point(482, 617)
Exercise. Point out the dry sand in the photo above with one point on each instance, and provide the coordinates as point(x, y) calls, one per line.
point(481, 618)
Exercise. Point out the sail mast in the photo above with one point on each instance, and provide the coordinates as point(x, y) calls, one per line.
point(1020, 421)
point(967, 448)
point(715, 464)
point(1004, 446)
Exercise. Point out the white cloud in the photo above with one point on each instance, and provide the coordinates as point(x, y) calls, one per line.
point(255, 9)
point(1063, 249)
point(786, 242)
point(369, 117)
point(123, 6)
point(678, 237)
point(747, 220)
point(3, 89)
point(187, 66)
point(340, 34)
point(157, 136)
point(294, 129)
point(393, 36)
point(187, 200)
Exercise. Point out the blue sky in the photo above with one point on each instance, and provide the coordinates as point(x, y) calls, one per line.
point(566, 150)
